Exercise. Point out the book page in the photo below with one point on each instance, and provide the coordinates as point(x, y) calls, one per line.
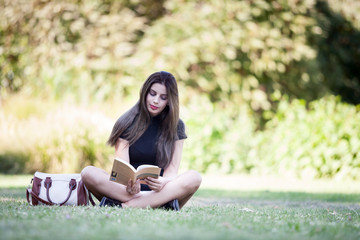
point(146, 166)
point(122, 172)
point(152, 171)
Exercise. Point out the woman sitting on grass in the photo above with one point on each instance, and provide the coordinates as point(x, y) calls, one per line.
point(149, 133)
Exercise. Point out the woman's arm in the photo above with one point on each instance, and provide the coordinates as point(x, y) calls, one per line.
point(170, 172)
point(122, 149)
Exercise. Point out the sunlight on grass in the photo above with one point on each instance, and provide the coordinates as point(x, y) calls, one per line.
point(270, 183)
point(7, 181)
point(239, 183)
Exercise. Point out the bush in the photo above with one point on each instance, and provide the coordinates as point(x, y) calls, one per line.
point(66, 139)
point(219, 137)
point(318, 139)
point(13, 162)
point(229, 58)
point(247, 49)
point(306, 140)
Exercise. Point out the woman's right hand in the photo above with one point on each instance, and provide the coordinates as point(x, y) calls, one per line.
point(133, 188)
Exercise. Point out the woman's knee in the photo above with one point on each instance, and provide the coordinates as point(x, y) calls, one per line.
point(193, 181)
point(88, 175)
point(196, 178)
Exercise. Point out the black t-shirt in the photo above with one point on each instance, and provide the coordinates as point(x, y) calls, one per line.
point(143, 151)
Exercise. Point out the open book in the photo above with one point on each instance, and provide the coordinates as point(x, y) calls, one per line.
point(122, 171)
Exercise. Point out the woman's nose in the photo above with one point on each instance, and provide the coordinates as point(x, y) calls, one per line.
point(156, 99)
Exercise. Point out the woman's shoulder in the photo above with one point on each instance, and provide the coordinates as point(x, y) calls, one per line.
point(181, 130)
point(181, 122)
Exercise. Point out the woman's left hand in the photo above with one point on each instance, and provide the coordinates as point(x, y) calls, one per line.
point(156, 184)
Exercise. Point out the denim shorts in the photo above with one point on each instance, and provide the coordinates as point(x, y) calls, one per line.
point(145, 187)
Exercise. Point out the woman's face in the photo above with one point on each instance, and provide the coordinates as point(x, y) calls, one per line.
point(156, 99)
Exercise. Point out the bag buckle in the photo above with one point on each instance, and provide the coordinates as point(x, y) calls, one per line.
point(48, 182)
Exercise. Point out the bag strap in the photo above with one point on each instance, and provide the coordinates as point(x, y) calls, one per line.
point(33, 195)
point(48, 183)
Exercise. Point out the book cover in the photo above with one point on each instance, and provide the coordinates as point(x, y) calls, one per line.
point(122, 171)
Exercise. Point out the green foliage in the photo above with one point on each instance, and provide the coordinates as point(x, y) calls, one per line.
point(234, 61)
point(306, 140)
point(50, 44)
point(66, 139)
point(338, 50)
point(219, 137)
point(13, 162)
point(318, 140)
point(242, 50)
point(234, 50)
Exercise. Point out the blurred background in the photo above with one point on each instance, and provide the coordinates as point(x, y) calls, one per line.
point(266, 87)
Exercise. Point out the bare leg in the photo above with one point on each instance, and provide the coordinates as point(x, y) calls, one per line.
point(97, 182)
point(181, 188)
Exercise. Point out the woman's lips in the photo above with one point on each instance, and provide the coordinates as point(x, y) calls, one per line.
point(153, 107)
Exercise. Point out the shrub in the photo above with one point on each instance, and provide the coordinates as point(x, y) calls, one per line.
point(66, 139)
point(219, 136)
point(304, 139)
point(318, 139)
point(13, 162)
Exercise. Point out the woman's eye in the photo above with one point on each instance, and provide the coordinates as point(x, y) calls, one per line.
point(163, 97)
point(152, 93)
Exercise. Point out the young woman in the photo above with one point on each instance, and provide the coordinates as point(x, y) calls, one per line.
point(149, 133)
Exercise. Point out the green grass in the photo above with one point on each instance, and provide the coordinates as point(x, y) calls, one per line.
point(213, 214)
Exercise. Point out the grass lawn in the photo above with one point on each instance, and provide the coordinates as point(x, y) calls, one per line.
point(245, 208)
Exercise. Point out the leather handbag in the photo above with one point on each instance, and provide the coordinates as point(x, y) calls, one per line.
point(58, 189)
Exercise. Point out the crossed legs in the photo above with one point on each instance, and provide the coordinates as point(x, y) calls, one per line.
point(181, 188)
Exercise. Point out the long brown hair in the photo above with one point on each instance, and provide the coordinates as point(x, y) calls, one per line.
point(134, 122)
